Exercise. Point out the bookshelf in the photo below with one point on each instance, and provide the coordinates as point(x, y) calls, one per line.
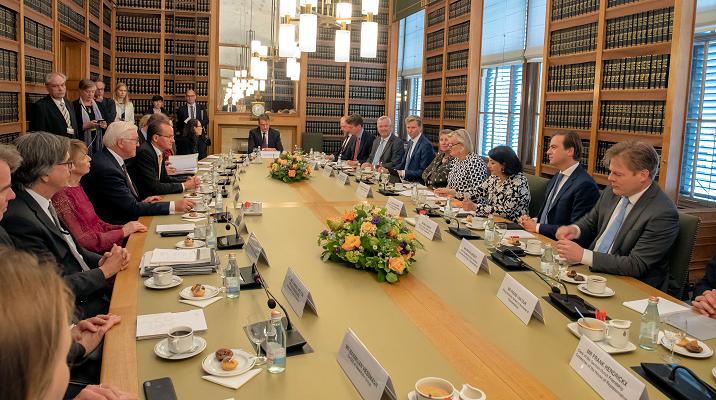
point(616, 70)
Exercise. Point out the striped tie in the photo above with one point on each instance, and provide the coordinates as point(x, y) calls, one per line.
point(65, 113)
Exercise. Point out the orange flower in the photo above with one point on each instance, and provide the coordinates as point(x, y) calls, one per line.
point(282, 161)
point(291, 173)
point(352, 242)
point(349, 216)
point(392, 233)
point(410, 236)
point(396, 264)
point(367, 227)
point(310, 169)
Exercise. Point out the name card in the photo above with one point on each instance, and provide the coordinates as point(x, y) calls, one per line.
point(297, 293)
point(606, 376)
point(270, 154)
point(237, 194)
point(427, 227)
point(328, 171)
point(254, 249)
point(364, 190)
point(395, 208)
point(472, 257)
point(252, 208)
point(364, 371)
point(343, 178)
point(519, 300)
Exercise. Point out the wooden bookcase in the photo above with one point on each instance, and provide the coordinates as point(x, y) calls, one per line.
point(632, 80)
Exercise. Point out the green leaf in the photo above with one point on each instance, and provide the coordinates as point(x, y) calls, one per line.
point(381, 276)
point(391, 277)
point(325, 256)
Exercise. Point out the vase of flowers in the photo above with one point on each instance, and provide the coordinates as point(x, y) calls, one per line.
point(366, 237)
point(290, 167)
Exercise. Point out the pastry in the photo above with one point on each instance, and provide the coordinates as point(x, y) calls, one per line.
point(193, 214)
point(693, 347)
point(572, 274)
point(229, 364)
point(514, 241)
point(469, 219)
point(198, 290)
point(188, 242)
point(223, 353)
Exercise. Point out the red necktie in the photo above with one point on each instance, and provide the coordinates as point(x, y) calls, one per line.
point(355, 152)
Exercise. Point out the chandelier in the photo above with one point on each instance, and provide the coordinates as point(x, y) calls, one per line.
point(307, 20)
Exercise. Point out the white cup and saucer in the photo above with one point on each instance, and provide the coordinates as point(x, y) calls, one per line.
point(534, 247)
point(163, 278)
point(611, 336)
point(433, 388)
point(596, 286)
point(478, 223)
point(179, 344)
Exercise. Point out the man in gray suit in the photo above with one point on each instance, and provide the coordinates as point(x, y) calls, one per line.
point(388, 150)
point(633, 225)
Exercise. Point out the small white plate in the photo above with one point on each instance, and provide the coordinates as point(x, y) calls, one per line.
point(608, 292)
point(538, 253)
point(713, 372)
point(245, 362)
point(161, 349)
point(413, 396)
point(410, 221)
point(706, 353)
point(563, 277)
point(209, 292)
point(176, 281)
point(507, 243)
point(198, 215)
point(574, 328)
point(197, 244)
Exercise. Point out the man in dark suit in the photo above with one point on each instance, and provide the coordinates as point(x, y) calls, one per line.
point(110, 188)
point(9, 162)
point(264, 136)
point(53, 113)
point(420, 152)
point(148, 168)
point(344, 152)
point(705, 291)
point(571, 192)
point(191, 110)
point(32, 223)
point(229, 106)
point(633, 225)
point(388, 149)
point(106, 106)
point(359, 148)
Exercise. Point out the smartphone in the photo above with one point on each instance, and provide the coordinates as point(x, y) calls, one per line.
point(159, 389)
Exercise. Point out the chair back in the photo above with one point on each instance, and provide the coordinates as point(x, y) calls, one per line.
point(680, 255)
point(538, 191)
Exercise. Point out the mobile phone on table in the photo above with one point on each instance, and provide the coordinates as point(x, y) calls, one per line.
point(159, 389)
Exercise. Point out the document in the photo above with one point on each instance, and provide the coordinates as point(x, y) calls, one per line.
point(175, 228)
point(665, 306)
point(516, 232)
point(158, 325)
point(172, 256)
point(185, 164)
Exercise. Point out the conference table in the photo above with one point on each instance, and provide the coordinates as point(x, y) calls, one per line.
point(440, 320)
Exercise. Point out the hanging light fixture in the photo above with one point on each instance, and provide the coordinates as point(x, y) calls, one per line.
point(369, 30)
point(307, 26)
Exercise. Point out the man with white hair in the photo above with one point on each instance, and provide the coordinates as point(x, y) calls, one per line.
point(109, 186)
point(54, 113)
point(388, 149)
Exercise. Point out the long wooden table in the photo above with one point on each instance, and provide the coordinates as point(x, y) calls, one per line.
point(441, 320)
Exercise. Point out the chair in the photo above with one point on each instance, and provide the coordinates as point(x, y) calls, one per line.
point(538, 191)
point(680, 255)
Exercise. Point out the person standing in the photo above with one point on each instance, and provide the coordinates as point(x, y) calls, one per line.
point(106, 106)
point(124, 108)
point(191, 110)
point(54, 113)
point(92, 120)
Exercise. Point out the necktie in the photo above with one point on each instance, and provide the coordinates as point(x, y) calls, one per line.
point(550, 198)
point(129, 181)
point(379, 151)
point(68, 239)
point(65, 114)
point(159, 158)
point(265, 139)
point(611, 233)
point(410, 153)
point(355, 151)
point(192, 113)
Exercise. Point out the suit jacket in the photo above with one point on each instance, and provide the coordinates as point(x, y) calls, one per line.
point(110, 194)
point(142, 139)
point(45, 116)
point(366, 144)
point(229, 108)
point(5, 238)
point(256, 139)
point(392, 153)
point(346, 152)
point(423, 155)
point(144, 171)
point(108, 108)
point(183, 113)
point(200, 146)
point(642, 245)
point(32, 230)
point(578, 195)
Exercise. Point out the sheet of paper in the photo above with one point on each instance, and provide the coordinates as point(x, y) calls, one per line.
point(665, 306)
point(172, 256)
point(517, 232)
point(157, 325)
point(175, 228)
point(696, 325)
point(184, 163)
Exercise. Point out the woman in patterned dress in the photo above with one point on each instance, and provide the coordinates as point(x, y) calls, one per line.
point(436, 174)
point(468, 170)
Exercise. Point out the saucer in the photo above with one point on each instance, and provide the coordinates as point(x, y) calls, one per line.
point(574, 328)
point(245, 362)
point(176, 281)
point(713, 372)
point(161, 349)
point(706, 353)
point(197, 216)
point(413, 396)
point(209, 292)
point(534, 253)
point(197, 244)
point(563, 277)
point(608, 292)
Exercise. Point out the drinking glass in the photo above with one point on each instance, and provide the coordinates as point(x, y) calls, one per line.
point(500, 232)
point(384, 179)
point(257, 334)
point(221, 271)
point(669, 339)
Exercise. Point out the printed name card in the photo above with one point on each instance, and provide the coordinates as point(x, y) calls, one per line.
point(237, 194)
point(328, 171)
point(427, 227)
point(519, 300)
point(395, 208)
point(606, 376)
point(364, 371)
point(254, 249)
point(252, 207)
point(270, 154)
point(364, 190)
point(297, 293)
point(343, 178)
point(472, 257)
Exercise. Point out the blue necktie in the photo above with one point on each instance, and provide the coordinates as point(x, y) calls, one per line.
point(379, 152)
point(408, 155)
point(550, 199)
point(611, 233)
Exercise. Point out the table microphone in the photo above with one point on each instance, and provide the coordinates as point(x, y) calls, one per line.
point(294, 339)
point(230, 242)
point(460, 233)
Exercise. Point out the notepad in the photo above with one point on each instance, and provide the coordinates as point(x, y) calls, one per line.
point(158, 325)
point(184, 164)
point(665, 306)
point(175, 228)
point(517, 232)
point(173, 256)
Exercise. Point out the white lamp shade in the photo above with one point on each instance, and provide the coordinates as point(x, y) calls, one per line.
point(368, 39)
point(234, 79)
point(255, 61)
point(290, 62)
point(237, 73)
point(307, 32)
point(343, 46)
point(286, 39)
point(243, 73)
point(262, 86)
point(296, 53)
point(287, 7)
point(296, 72)
point(344, 12)
point(255, 44)
point(230, 84)
point(263, 70)
point(369, 6)
point(313, 3)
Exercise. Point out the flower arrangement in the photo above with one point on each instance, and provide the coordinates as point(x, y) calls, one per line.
point(290, 167)
point(367, 238)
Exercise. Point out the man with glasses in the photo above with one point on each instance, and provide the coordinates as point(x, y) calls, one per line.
point(148, 169)
point(54, 113)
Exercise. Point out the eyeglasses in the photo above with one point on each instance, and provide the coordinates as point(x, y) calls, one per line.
point(132, 139)
point(454, 144)
point(69, 164)
point(167, 136)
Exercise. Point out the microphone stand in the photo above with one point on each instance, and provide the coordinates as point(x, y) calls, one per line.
point(460, 233)
point(230, 242)
point(294, 339)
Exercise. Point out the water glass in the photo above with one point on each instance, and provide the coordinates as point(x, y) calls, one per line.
point(257, 333)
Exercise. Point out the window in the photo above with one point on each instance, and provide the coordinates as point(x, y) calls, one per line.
point(698, 170)
point(410, 66)
point(500, 107)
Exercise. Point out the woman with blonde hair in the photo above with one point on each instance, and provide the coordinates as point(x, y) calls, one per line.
point(468, 170)
point(436, 174)
point(125, 108)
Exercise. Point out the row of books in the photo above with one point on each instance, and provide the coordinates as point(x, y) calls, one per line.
point(107, 16)
point(327, 71)
point(141, 85)
point(562, 9)
point(435, 40)
point(157, 4)
point(431, 110)
point(366, 92)
point(106, 40)
point(8, 23)
point(642, 72)
point(568, 114)
point(380, 58)
point(432, 132)
point(324, 127)
point(8, 65)
point(434, 63)
point(457, 59)
point(602, 148)
point(433, 87)
point(367, 74)
point(436, 17)
point(94, 7)
point(137, 65)
point(455, 110)
point(94, 32)
point(107, 62)
point(322, 53)
point(458, 8)
point(456, 84)
point(139, 23)
point(459, 33)
point(200, 5)
point(367, 111)
point(325, 91)
point(70, 18)
point(44, 7)
point(36, 69)
point(355, 36)
point(324, 109)
point(647, 27)
point(80, 3)
point(8, 107)
point(633, 116)
point(180, 87)
point(186, 67)
point(187, 25)
point(571, 77)
point(127, 44)
point(185, 47)
point(573, 40)
point(614, 3)
point(94, 57)
point(38, 35)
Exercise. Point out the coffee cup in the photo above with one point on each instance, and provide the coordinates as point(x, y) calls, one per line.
point(534, 246)
point(181, 339)
point(592, 328)
point(596, 284)
point(432, 388)
point(619, 333)
point(162, 275)
point(478, 223)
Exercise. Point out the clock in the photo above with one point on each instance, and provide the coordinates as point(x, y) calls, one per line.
point(257, 108)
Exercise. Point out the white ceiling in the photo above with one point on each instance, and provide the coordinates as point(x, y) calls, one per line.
point(235, 18)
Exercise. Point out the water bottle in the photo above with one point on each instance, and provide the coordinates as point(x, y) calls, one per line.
point(210, 234)
point(414, 194)
point(276, 344)
point(231, 278)
point(649, 328)
point(218, 203)
point(490, 232)
point(339, 163)
point(546, 264)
